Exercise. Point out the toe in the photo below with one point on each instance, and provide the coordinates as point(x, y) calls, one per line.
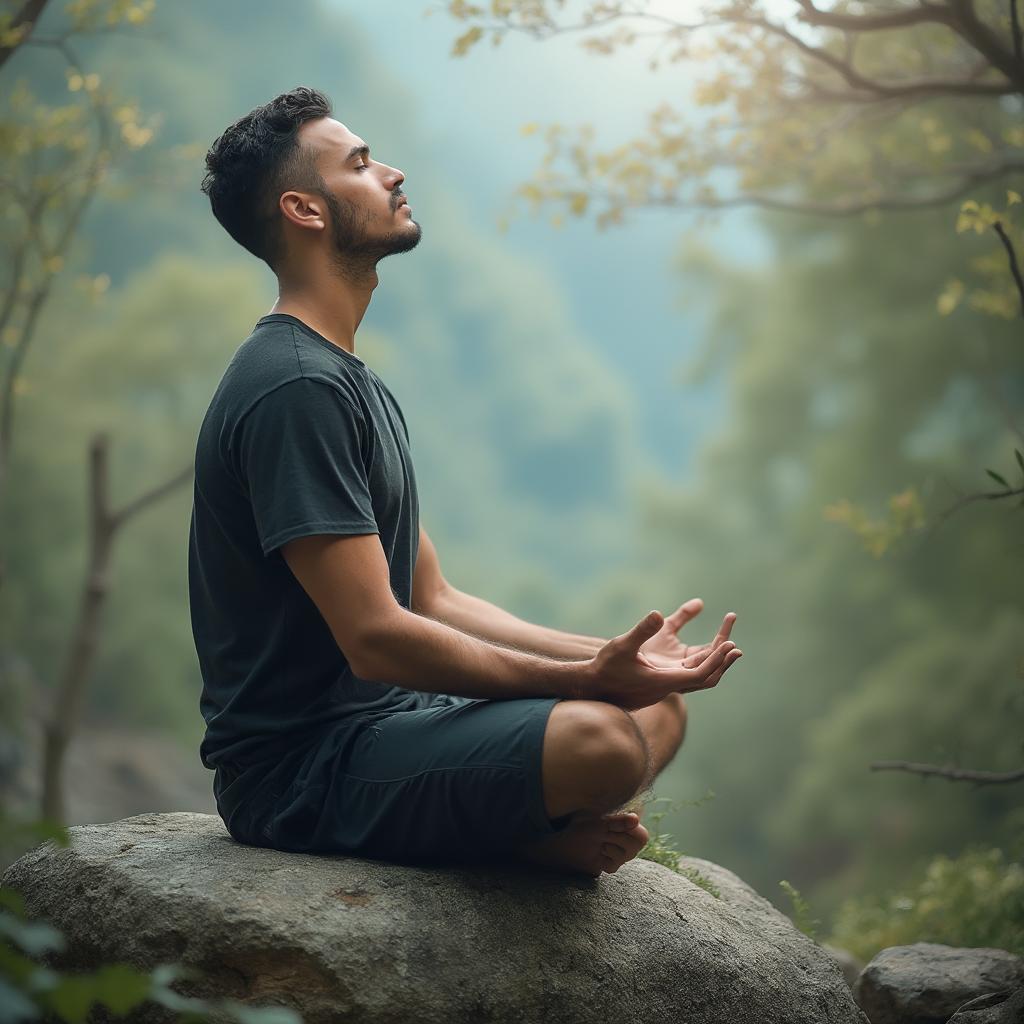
point(612, 857)
point(624, 822)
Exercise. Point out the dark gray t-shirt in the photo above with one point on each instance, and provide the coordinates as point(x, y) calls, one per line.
point(301, 437)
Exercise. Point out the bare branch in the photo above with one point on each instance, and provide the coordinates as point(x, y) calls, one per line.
point(1012, 256)
point(849, 207)
point(25, 18)
point(979, 778)
point(970, 499)
point(149, 497)
point(81, 655)
point(910, 87)
point(966, 23)
point(937, 14)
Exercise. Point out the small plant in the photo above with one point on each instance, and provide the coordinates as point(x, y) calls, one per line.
point(661, 846)
point(802, 911)
point(975, 899)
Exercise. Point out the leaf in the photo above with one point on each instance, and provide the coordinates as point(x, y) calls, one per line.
point(998, 479)
point(1012, 197)
point(15, 1007)
point(120, 987)
point(466, 40)
point(262, 1014)
point(32, 937)
point(1020, 458)
point(72, 998)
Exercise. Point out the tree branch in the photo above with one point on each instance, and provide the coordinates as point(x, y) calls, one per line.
point(27, 16)
point(937, 14)
point(149, 497)
point(969, 499)
point(1012, 256)
point(910, 87)
point(851, 207)
point(979, 778)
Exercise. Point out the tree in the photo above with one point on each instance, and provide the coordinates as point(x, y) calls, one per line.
point(825, 111)
point(866, 134)
point(853, 110)
point(53, 166)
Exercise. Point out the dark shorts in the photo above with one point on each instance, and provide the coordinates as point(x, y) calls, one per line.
point(456, 780)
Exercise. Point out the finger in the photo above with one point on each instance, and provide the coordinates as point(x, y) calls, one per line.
point(696, 661)
point(686, 611)
point(711, 662)
point(726, 628)
point(696, 654)
point(643, 631)
point(730, 660)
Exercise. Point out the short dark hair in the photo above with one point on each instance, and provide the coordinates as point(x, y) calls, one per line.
point(254, 161)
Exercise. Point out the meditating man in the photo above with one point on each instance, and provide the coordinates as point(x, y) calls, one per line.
point(354, 700)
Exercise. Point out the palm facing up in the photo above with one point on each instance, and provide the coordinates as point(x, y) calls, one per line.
point(665, 650)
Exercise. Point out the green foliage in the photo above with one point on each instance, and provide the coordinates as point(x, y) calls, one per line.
point(28, 988)
point(975, 899)
point(801, 910)
point(661, 848)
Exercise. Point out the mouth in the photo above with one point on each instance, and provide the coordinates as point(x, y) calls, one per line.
point(402, 202)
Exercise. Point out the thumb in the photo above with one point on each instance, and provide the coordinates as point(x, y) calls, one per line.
point(644, 630)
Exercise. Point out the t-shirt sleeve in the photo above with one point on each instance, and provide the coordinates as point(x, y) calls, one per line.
point(298, 453)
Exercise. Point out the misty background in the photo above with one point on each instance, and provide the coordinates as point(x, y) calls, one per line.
point(603, 422)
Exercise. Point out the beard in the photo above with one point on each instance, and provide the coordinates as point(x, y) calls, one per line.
point(356, 250)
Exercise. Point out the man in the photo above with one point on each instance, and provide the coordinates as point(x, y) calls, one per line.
point(356, 701)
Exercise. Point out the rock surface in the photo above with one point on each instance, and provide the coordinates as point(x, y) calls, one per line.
point(848, 963)
point(998, 1008)
point(347, 940)
point(927, 983)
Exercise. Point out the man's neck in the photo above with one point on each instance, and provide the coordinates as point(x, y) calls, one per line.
point(333, 309)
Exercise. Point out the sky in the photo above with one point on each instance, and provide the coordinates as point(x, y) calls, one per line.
point(618, 283)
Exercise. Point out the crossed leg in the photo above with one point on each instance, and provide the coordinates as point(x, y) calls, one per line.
point(596, 758)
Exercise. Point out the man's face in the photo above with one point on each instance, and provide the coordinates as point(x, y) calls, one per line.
point(369, 217)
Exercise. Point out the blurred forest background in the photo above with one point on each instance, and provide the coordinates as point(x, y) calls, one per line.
point(623, 388)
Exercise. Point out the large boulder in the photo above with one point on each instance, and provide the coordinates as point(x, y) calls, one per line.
point(347, 940)
point(926, 983)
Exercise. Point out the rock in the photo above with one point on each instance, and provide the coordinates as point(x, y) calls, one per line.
point(927, 983)
point(995, 1008)
point(848, 963)
point(342, 939)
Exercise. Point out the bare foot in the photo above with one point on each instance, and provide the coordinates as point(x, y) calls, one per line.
point(590, 844)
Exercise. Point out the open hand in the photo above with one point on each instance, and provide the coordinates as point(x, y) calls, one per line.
point(664, 648)
point(621, 673)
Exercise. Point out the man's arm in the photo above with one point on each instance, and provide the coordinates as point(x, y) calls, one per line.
point(436, 598)
point(347, 578)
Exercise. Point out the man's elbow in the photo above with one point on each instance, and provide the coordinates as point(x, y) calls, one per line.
point(429, 601)
point(370, 652)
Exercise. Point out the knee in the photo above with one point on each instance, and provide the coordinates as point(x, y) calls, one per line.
point(606, 749)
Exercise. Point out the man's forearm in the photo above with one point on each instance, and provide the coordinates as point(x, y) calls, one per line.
point(420, 653)
point(482, 619)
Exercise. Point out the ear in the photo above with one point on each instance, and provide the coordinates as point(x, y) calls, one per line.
point(303, 210)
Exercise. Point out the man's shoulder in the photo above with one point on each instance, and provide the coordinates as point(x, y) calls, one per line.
point(277, 360)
